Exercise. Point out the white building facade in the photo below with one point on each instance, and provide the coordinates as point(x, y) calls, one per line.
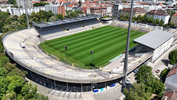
point(20, 11)
point(160, 14)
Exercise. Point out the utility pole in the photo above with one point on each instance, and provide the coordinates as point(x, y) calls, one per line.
point(127, 48)
point(26, 15)
point(101, 8)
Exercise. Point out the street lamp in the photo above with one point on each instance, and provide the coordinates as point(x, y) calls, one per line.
point(26, 11)
point(65, 47)
point(91, 52)
point(127, 48)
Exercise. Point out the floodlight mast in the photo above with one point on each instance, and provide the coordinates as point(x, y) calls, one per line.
point(127, 48)
point(26, 14)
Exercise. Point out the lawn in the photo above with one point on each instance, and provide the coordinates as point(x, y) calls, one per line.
point(107, 42)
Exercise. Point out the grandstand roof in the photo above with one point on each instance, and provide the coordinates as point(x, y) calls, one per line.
point(65, 21)
point(154, 39)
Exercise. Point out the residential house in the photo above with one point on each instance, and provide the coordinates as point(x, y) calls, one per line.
point(20, 11)
point(136, 11)
point(56, 9)
point(171, 81)
point(172, 95)
point(116, 10)
point(160, 14)
point(28, 3)
point(85, 10)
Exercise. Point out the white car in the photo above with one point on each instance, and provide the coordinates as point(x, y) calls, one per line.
point(22, 43)
point(128, 81)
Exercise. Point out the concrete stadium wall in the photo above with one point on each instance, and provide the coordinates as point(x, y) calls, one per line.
point(137, 27)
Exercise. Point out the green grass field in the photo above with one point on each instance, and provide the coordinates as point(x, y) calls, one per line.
point(107, 42)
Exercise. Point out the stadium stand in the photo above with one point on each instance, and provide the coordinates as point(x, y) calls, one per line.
point(92, 22)
point(133, 26)
point(73, 27)
point(51, 31)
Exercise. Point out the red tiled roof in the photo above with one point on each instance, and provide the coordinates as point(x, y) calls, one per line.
point(170, 95)
point(172, 71)
point(74, 2)
point(134, 9)
point(174, 14)
point(87, 1)
point(98, 7)
point(85, 7)
point(157, 12)
point(70, 6)
point(126, 3)
point(143, 3)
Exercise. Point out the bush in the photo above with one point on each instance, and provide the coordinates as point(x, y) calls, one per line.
point(160, 94)
point(173, 57)
point(164, 74)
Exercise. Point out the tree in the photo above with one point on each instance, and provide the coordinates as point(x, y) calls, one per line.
point(73, 14)
point(158, 86)
point(137, 92)
point(80, 3)
point(154, 22)
point(163, 74)
point(53, 18)
point(3, 72)
point(8, 21)
point(171, 13)
point(144, 74)
point(151, 20)
point(14, 25)
point(12, 1)
point(157, 21)
point(148, 19)
point(15, 18)
point(79, 12)
point(139, 18)
point(143, 18)
point(59, 16)
point(121, 15)
point(161, 21)
point(5, 28)
point(1, 25)
point(3, 86)
point(3, 60)
point(126, 17)
point(172, 57)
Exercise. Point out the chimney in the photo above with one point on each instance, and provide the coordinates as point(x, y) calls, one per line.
point(165, 97)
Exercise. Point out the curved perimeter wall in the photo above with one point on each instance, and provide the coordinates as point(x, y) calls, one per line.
point(55, 82)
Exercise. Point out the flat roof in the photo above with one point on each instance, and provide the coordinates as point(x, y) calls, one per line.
point(154, 39)
point(65, 21)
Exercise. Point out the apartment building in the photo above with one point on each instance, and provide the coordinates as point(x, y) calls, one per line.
point(174, 19)
point(136, 11)
point(160, 14)
point(116, 9)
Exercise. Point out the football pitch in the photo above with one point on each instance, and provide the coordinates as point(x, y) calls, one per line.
point(107, 42)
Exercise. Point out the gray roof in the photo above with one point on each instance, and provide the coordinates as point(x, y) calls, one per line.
point(170, 82)
point(67, 20)
point(154, 39)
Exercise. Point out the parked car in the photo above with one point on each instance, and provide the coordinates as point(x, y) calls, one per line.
point(157, 71)
point(128, 81)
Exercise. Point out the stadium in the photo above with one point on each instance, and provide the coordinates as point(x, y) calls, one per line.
point(70, 72)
